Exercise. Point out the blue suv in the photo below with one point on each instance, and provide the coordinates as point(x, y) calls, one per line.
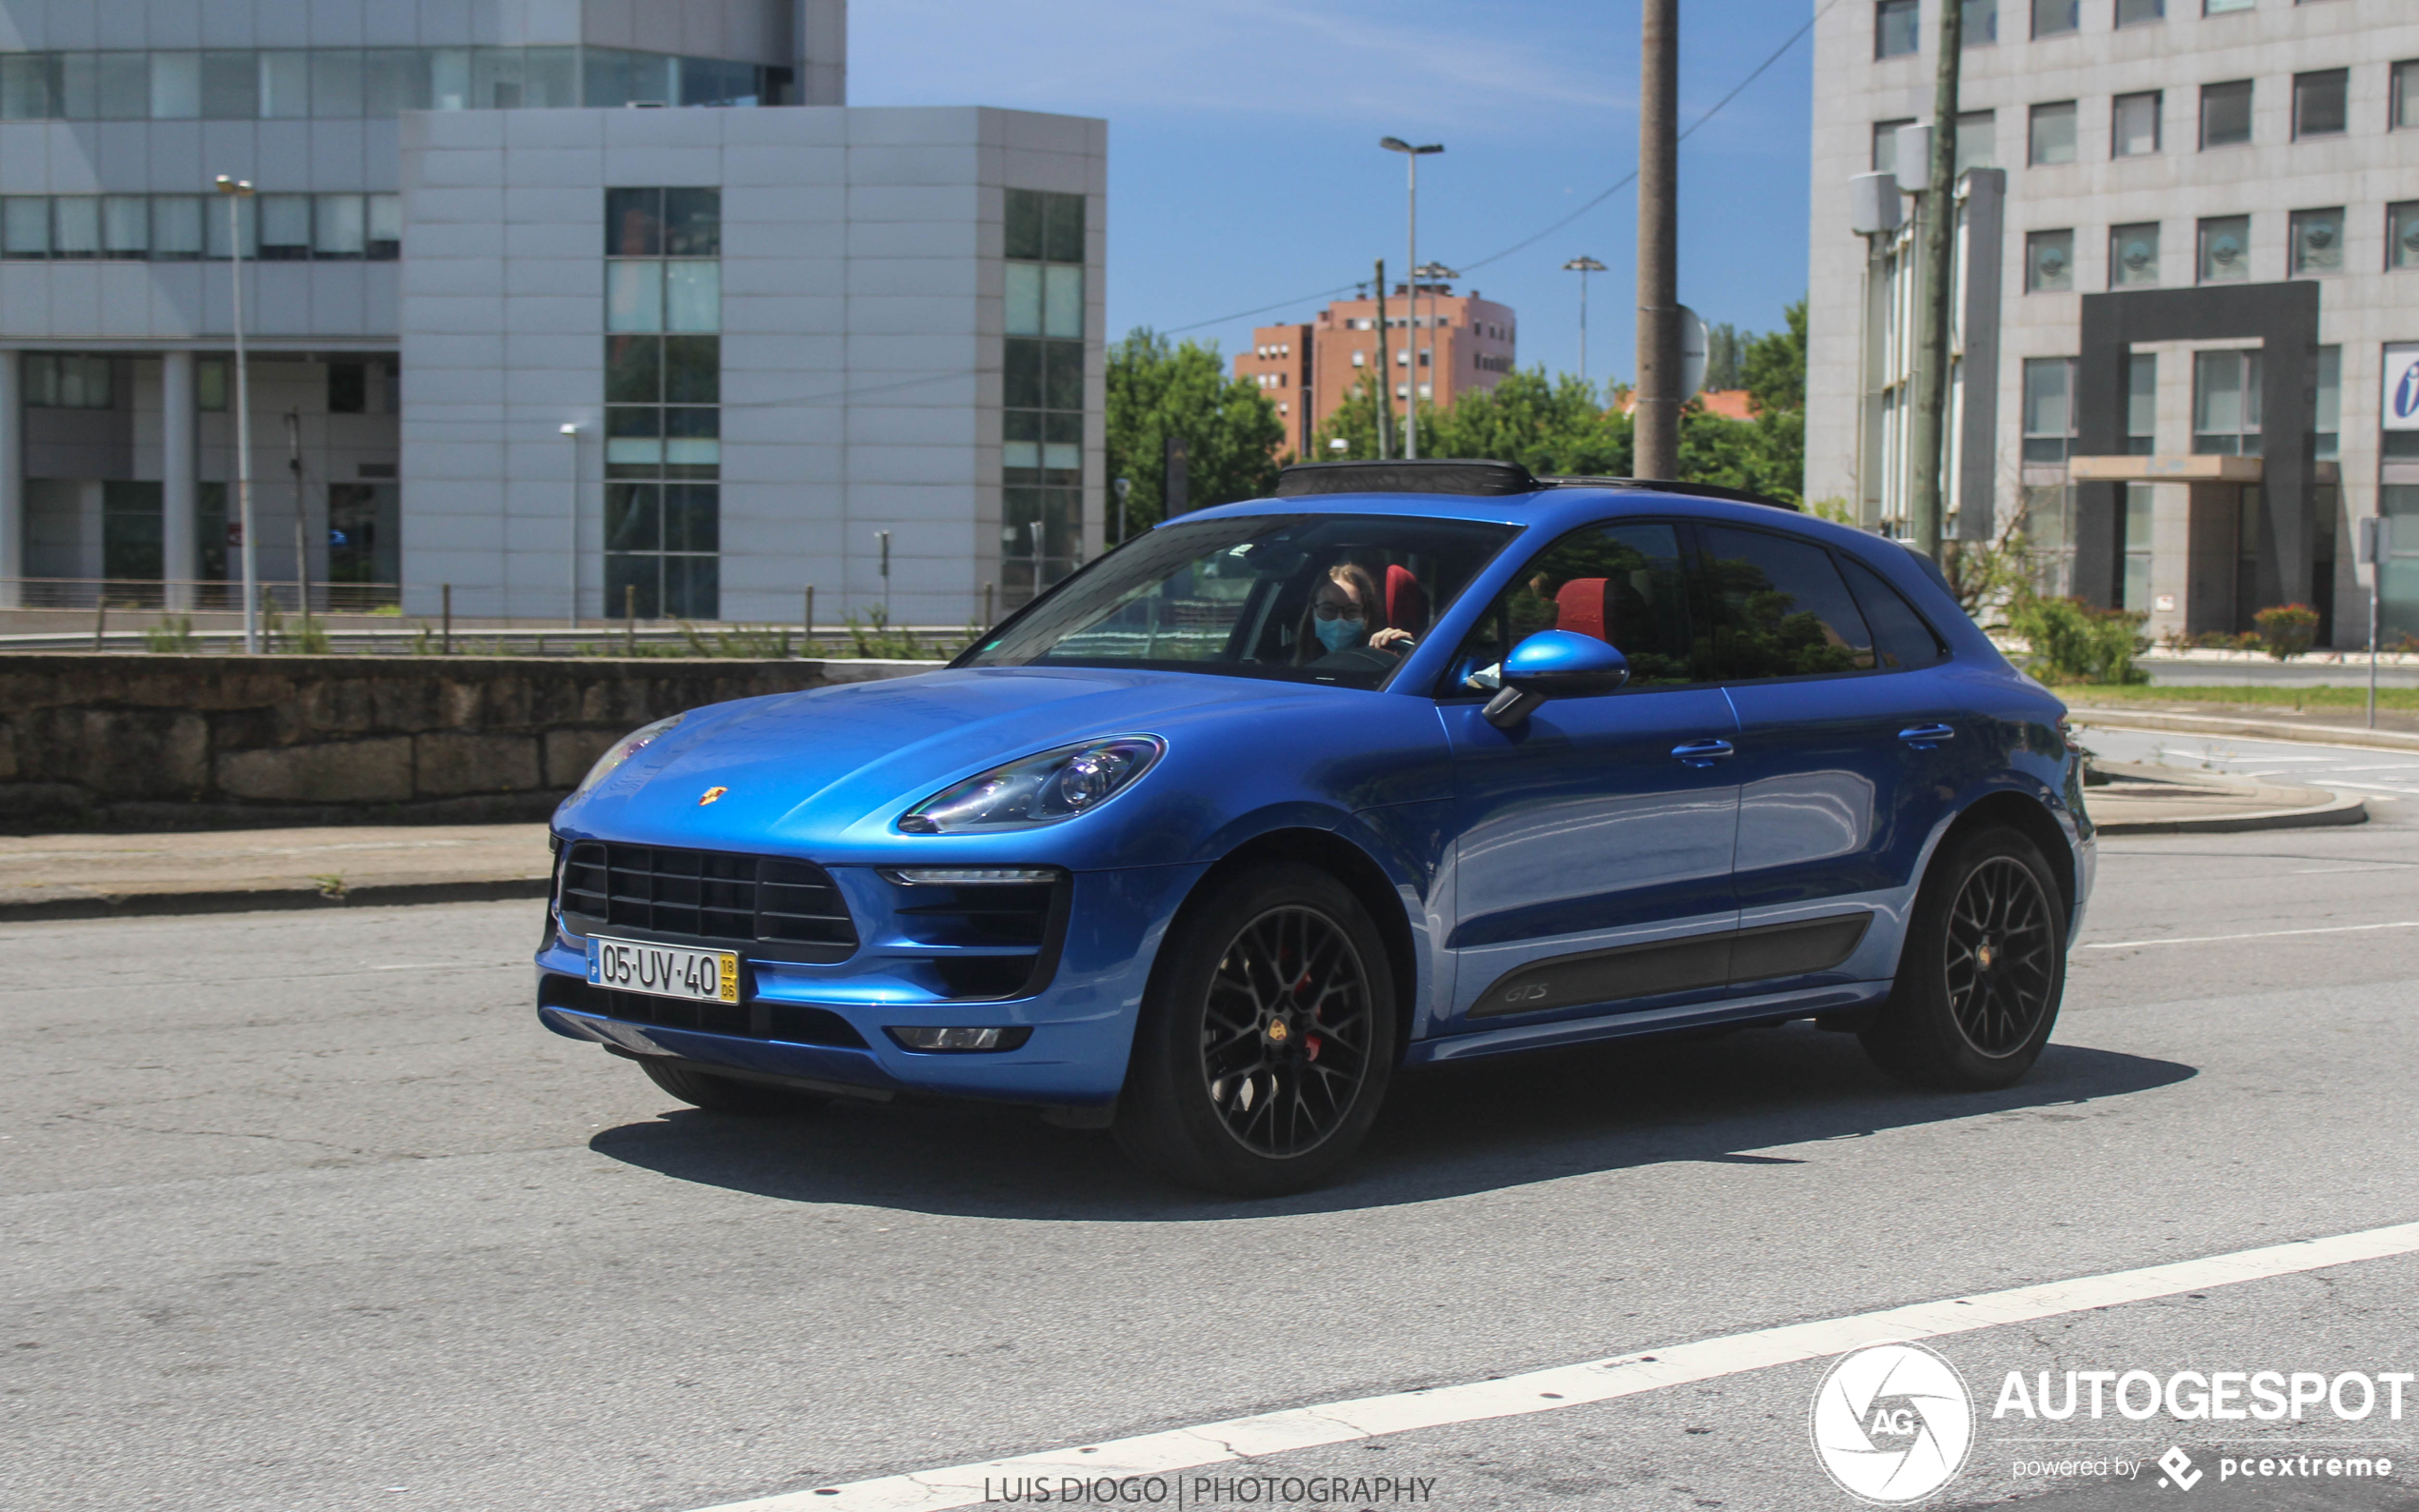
point(1410, 764)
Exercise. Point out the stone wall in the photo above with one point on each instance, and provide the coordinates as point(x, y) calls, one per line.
point(160, 742)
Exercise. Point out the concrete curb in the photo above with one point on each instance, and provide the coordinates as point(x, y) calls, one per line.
point(2249, 728)
point(2343, 809)
point(253, 900)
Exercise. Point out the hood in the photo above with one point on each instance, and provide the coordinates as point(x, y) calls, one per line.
point(816, 765)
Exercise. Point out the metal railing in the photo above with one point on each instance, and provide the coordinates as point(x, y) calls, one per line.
point(196, 595)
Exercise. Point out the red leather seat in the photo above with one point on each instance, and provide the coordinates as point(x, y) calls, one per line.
point(1406, 600)
point(1580, 606)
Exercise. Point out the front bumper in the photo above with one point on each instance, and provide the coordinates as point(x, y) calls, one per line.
point(1082, 1020)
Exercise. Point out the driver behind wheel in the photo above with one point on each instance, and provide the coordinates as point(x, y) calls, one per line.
point(1347, 614)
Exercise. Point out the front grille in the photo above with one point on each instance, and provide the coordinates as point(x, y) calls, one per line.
point(794, 1022)
point(706, 895)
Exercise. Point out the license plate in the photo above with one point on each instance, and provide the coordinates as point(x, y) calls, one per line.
point(665, 971)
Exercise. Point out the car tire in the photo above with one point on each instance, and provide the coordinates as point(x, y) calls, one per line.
point(1267, 1038)
point(726, 1094)
point(1982, 971)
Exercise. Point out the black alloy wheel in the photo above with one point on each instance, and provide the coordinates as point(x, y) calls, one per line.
point(1266, 1036)
point(1285, 1034)
point(1981, 970)
point(2001, 966)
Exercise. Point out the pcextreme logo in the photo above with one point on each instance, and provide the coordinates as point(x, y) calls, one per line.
point(1892, 1423)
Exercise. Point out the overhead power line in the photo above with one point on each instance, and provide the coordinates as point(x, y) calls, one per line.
point(1525, 242)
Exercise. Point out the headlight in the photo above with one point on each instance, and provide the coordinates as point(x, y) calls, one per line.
point(1044, 789)
point(623, 749)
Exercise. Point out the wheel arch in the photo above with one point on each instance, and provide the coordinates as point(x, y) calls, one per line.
point(2030, 818)
point(1348, 863)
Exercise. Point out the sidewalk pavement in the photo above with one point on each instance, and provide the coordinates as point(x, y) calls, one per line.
point(88, 876)
point(2173, 800)
point(2329, 726)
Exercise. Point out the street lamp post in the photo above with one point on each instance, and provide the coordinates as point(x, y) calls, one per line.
point(1583, 267)
point(237, 190)
point(571, 526)
point(1410, 404)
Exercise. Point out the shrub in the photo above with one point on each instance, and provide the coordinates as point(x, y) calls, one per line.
point(2072, 641)
point(172, 635)
point(2288, 628)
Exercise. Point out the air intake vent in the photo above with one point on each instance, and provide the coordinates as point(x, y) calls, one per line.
point(706, 895)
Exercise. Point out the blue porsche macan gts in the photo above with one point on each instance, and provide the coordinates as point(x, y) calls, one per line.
point(1410, 764)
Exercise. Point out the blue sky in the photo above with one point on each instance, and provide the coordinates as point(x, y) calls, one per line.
point(1243, 167)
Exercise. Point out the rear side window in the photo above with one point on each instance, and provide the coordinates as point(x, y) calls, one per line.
point(1627, 585)
point(1781, 609)
point(1901, 639)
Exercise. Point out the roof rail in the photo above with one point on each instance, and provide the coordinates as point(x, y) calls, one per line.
point(1475, 477)
point(1424, 475)
point(1701, 490)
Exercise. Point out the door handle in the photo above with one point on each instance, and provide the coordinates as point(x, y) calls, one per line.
point(1926, 737)
point(1702, 752)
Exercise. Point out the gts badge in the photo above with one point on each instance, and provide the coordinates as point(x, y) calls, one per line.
point(1526, 992)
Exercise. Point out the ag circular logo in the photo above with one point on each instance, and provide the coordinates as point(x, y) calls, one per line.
point(1892, 1423)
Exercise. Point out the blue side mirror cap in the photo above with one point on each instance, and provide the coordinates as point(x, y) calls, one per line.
point(1564, 663)
point(1554, 664)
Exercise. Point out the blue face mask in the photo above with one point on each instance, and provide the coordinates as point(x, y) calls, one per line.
point(1338, 633)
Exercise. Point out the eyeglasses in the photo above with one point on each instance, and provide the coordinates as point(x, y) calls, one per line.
point(1336, 611)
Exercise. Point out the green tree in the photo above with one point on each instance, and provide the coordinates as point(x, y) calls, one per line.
point(1157, 389)
point(1552, 425)
point(1721, 347)
point(1774, 365)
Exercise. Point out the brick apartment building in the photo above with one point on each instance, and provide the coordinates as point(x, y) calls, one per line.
point(1306, 369)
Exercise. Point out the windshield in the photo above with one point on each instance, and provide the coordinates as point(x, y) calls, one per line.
point(1309, 598)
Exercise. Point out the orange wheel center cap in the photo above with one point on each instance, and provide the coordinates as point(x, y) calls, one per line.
point(1277, 1030)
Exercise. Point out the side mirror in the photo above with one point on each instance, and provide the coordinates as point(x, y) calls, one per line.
point(1554, 664)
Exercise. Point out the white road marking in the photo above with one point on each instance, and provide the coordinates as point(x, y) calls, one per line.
point(1563, 1386)
point(2257, 934)
point(2377, 788)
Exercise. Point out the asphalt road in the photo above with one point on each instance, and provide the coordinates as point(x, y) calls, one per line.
point(304, 1211)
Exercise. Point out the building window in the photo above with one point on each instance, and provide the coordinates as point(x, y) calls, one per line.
point(2225, 403)
point(663, 392)
point(2318, 241)
point(2402, 234)
point(351, 83)
point(1886, 145)
point(2226, 250)
point(1042, 419)
point(2052, 137)
point(2048, 261)
point(2133, 256)
point(2052, 18)
point(60, 381)
point(2219, 7)
point(2327, 436)
point(2403, 106)
point(2139, 514)
point(209, 384)
point(347, 388)
point(2225, 115)
point(2318, 103)
point(2134, 126)
point(2141, 404)
point(2135, 12)
point(1977, 142)
point(1896, 28)
point(1979, 25)
point(2048, 410)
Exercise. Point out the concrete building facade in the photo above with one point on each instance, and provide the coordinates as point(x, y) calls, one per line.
point(530, 317)
point(1461, 342)
point(2189, 269)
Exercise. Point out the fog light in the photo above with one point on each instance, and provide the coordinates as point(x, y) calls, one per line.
point(968, 875)
point(963, 1039)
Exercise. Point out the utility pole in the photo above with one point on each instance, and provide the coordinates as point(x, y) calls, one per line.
point(237, 190)
point(1656, 452)
point(1583, 267)
point(1927, 442)
point(1410, 322)
point(1384, 375)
